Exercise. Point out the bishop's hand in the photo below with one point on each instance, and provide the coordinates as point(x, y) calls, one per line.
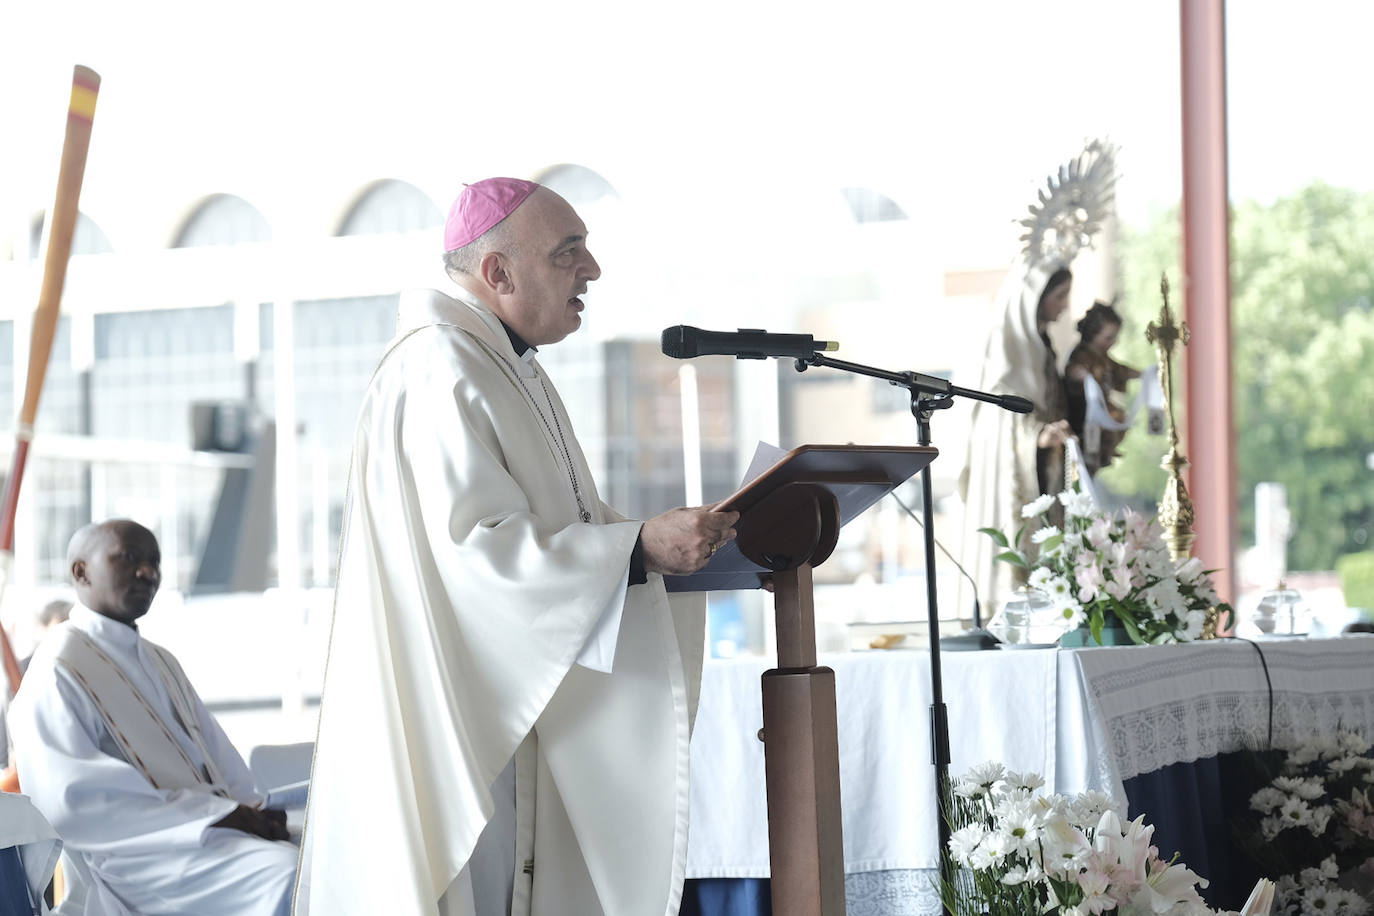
point(680, 541)
point(268, 824)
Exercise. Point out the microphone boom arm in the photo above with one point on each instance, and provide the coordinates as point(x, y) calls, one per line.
point(940, 392)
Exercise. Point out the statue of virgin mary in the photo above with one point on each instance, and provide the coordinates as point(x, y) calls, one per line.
point(1014, 458)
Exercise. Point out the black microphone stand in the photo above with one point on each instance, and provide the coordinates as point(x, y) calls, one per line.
point(928, 394)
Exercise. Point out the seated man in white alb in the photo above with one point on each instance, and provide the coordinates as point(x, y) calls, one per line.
point(116, 749)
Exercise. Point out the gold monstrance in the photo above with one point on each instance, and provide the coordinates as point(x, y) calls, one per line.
point(1176, 511)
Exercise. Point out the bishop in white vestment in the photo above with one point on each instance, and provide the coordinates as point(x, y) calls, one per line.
point(507, 707)
point(118, 752)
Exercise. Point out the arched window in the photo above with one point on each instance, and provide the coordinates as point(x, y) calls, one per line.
point(868, 206)
point(391, 206)
point(577, 184)
point(223, 219)
point(88, 239)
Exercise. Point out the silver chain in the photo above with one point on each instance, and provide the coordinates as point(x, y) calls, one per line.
point(554, 430)
point(567, 454)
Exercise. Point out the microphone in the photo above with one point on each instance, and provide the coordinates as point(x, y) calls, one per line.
point(686, 342)
point(1014, 404)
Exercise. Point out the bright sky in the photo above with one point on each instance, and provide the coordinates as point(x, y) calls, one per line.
point(956, 110)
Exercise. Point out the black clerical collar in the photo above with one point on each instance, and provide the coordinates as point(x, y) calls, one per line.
point(516, 341)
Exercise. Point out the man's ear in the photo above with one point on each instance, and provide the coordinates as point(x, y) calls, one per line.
point(495, 273)
point(79, 572)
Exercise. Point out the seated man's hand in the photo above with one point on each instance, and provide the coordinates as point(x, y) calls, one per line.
point(680, 541)
point(269, 824)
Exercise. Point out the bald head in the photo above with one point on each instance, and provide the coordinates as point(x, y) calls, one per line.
point(79, 547)
point(116, 567)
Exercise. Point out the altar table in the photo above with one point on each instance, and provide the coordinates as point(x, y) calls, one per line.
point(1101, 718)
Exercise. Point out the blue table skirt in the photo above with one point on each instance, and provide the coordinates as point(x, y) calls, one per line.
point(14, 884)
point(726, 897)
point(1192, 806)
point(871, 893)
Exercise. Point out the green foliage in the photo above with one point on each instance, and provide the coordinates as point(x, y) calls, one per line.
point(1302, 348)
point(998, 537)
point(1357, 578)
point(1136, 476)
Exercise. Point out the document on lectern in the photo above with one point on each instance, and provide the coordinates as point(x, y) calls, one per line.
point(765, 456)
point(858, 475)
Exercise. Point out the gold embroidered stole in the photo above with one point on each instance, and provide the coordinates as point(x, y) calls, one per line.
point(145, 738)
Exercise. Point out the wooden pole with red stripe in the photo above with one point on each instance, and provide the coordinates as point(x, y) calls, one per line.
point(62, 227)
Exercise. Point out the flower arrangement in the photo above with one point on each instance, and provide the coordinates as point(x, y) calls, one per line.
point(1110, 566)
point(1313, 823)
point(1015, 852)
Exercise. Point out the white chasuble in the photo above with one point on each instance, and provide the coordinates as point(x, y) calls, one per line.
point(481, 580)
point(120, 755)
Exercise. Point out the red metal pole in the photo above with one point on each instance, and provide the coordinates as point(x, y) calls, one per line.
point(1207, 289)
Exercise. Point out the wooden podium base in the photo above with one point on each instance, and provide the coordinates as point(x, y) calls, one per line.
point(790, 520)
point(802, 764)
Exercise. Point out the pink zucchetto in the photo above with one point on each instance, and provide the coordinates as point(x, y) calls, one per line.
point(482, 205)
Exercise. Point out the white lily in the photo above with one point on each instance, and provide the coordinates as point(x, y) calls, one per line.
point(1261, 900)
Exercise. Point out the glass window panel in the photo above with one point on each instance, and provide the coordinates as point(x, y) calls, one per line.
point(868, 206)
point(151, 366)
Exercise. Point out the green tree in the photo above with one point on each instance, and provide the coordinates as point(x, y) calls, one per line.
point(1145, 256)
point(1302, 275)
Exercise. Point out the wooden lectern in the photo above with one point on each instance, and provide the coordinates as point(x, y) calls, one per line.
point(790, 519)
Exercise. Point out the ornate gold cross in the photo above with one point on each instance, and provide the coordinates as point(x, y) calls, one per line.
point(1176, 510)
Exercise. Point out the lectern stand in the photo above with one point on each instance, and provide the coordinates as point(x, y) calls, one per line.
point(790, 519)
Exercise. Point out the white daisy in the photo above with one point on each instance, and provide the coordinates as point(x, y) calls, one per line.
point(1077, 505)
point(964, 841)
point(1089, 807)
point(1267, 799)
point(1295, 813)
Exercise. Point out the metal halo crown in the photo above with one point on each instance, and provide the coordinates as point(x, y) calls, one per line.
point(1073, 206)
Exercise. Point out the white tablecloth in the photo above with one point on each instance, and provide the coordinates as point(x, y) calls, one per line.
point(1001, 706)
point(1087, 718)
point(1128, 711)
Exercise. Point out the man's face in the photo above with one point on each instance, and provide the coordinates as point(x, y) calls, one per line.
point(550, 272)
point(121, 572)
